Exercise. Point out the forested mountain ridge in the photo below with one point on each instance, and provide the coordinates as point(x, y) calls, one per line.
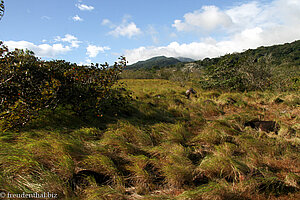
point(158, 62)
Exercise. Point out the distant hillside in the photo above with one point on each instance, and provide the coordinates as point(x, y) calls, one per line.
point(288, 54)
point(158, 62)
point(275, 67)
point(183, 59)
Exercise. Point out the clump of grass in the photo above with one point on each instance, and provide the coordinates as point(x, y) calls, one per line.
point(271, 185)
point(235, 99)
point(293, 180)
point(216, 133)
point(103, 165)
point(179, 111)
point(292, 100)
point(102, 193)
point(219, 190)
point(173, 163)
point(24, 172)
point(170, 132)
point(219, 166)
point(140, 176)
point(117, 144)
point(132, 134)
point(211, 94)
point(208, 109)
point(286, 131)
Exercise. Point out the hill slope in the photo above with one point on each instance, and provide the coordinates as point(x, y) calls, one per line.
point(156, 62)
point(288, 53)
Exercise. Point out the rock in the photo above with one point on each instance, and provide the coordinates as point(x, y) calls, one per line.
point(267, 126)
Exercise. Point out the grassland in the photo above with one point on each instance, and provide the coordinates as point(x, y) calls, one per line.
point(164, 146)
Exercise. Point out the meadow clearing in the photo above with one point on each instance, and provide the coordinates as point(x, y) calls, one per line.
point(161, 146)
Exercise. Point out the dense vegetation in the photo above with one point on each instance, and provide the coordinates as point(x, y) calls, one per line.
point(2, 8)
point(274, 68)
point(166, 147)
point(29, 85)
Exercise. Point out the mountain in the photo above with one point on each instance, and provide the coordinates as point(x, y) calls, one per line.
point(183, 59)
point(158, 62)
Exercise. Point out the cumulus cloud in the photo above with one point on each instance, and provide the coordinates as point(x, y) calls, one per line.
point(70, 39)
point(84, 7)
point(77, 18)
point(125, 29)
point(128, 30)
point(207, 19)
point(245, 26)
point(42, 50)
point(47, 50)
point(93, 50)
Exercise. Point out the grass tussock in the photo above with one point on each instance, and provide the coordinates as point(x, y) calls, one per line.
point(167, 147)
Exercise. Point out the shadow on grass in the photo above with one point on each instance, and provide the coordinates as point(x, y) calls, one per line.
point(63, 119)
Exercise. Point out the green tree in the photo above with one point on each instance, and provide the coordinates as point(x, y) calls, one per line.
point(2, 9)
point(29, 85)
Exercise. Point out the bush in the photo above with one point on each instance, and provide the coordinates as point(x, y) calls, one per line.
point(29, 85)
point(239, 73)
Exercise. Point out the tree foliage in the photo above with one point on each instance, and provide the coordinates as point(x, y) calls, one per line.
point(29, 85)
point(2, 8)
point(275, 68)
point(238, 73)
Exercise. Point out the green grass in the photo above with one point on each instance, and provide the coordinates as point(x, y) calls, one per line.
point(166, 147)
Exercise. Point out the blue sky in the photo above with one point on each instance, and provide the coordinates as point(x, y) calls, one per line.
point(98, 31)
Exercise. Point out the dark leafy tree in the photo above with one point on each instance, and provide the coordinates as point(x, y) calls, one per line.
point(29, 85)
point(2, 9)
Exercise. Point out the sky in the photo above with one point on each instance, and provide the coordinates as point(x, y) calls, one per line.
point(99, 31)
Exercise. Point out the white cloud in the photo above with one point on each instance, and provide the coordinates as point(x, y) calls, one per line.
point(129, 30)
point(125, 29)
point(93, 50)
point(70, 39)
point(207, 19)
point(42, 50)
point(77, 18)
point(252, 25)
point(245, 14)
point(47, 50)
point(106, 22)
point(45, 17)
point(84, 7)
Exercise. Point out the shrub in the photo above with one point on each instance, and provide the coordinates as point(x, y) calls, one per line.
point(29, 85)
point(236, 72)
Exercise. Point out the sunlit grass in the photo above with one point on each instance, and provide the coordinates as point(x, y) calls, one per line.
point(167, 147)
